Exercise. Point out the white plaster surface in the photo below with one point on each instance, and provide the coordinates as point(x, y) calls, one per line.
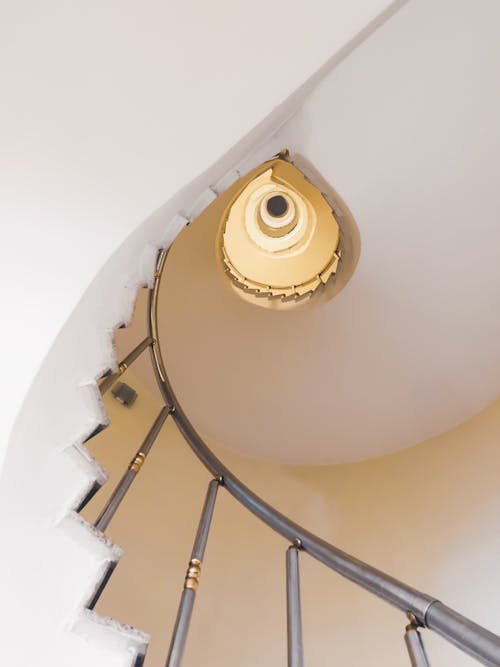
point(110, 108)
point(406, 130)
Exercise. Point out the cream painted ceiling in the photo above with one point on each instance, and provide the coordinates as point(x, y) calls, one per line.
point(407, 130)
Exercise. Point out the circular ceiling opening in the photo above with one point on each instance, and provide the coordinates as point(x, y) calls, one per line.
point(279, 239)
point(277, 206)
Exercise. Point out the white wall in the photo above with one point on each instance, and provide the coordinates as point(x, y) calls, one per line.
point(109, 109)
point(406, 131)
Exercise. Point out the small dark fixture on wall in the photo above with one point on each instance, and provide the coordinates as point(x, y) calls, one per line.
point(124, 394)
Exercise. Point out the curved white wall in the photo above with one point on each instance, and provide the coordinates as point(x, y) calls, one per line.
point(109, 109)
point(406, 130)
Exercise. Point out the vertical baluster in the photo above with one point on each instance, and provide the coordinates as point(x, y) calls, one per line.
point(109, 381)
point(123, 485)
point(186, 604)
point(294, 615)
point(414, 644)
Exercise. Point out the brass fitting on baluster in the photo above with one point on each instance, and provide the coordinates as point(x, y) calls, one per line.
point(193, 574)
point(414, 622)
point(136, 464)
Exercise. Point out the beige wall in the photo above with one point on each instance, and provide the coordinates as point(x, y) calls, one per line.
point(428, 515)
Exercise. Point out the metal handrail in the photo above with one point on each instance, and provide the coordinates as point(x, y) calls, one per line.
point(427, 611)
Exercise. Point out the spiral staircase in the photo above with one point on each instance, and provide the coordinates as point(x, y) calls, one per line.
point(60, 558)
point(420, 611)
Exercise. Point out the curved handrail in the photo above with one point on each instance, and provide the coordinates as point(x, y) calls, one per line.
point(427, 610)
